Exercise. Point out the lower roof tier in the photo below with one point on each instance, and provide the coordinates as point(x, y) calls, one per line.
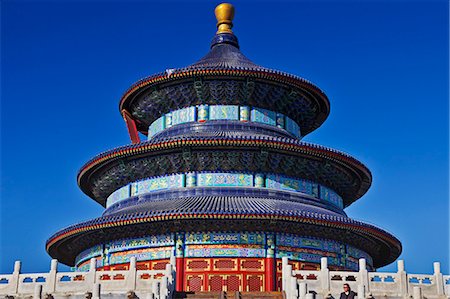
point(224, 213)
point(116, 168)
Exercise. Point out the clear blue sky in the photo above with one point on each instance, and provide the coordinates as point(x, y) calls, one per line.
point(384, 66)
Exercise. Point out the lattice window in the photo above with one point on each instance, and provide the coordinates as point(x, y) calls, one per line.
point(198, 264)
point(215, 283)
point(195, 283)
point(252, 264)
point(233, 283)
point(254, 283)
point(310, 267)
point(143, 266)
point(279, 266)
point(224, 264)
point(160, 265)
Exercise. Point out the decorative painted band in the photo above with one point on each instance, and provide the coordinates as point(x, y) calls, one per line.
point(120, 220)
point(225, 244)
point(203, 113)
point(225, 179)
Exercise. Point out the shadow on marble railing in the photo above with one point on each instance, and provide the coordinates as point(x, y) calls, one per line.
point(323, 283)
point(156, 284)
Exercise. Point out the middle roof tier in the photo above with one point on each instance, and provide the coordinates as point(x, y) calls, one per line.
point(193, 152)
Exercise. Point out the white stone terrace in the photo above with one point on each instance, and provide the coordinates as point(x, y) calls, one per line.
point(132, 283)
point(159, 284)
point(323, 283)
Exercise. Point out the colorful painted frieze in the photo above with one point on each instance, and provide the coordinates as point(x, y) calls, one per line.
point(263, 116)
point(118, 195)
point(280, 120)
point(191, 179)
point(157, 126)
point(203, 113)
point(89, 253)
point(260, 180)
point(244, 113)
point(296, 241)
point(225, 238)
point(292, 127)
point(83, 267)
point(359, 254)
point(141, 255)
point(352, 264)
point(168, 120)
point(184, 115)
point(229, 112)
point(300, 256)
point(329, 195)
point(279, 182)
point(135, 243)
point(159, 183)
point(224, 251)
point(225, 179)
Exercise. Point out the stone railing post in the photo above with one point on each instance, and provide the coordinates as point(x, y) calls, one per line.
point(37, 291)
point(155, 288)
point(169, 273)
point(438, 278)
point(302, 290)
point(361, 291)
point(363, 281)
point(284, 274)
point(324, 275)
point(173, 261)
point(310, 296)
point(131, 277)
point(403, 279)
point(417, 293)
point(293, 287)
point(90, 276)
point(14, 283)
point(170, 280)
point(96, 291)
point(163, 290)
point(287, 274)
point(50, 282)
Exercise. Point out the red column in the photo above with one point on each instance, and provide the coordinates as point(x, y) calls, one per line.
point(270, 274)
point(179, 278)
point(179, 255)
point(270, 263)
point(131, 126)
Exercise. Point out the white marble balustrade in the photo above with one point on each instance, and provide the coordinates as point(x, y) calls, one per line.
point(323, 283)
point(151, 284)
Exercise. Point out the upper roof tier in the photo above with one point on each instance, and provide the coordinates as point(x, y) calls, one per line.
point(224, 76)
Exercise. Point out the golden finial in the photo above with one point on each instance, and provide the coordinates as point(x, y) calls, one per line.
point(224, 15)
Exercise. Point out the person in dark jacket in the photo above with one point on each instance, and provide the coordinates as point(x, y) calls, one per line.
point(348, 293)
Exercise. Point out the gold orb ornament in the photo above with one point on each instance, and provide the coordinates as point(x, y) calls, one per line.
point(224, 14)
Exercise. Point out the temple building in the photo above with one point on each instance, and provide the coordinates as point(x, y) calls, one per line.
point(224, 181)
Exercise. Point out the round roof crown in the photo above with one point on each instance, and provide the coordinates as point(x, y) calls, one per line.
point(224, 14)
